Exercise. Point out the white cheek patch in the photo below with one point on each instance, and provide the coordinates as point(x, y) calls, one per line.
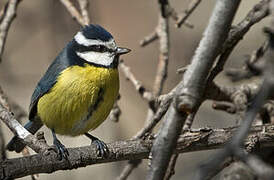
point(99, 58)
point(82, 40)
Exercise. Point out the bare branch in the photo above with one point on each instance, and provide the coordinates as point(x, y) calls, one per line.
point(181, 19)
point(189, 121)
point(84, 10)
point(252, 66)
point(165, 103)
point(149, 39)
point(234, 147)
point(171, 167)
point(138, 86)
point(224, 106)
point(74, 12)
point(128, 169)
point(9, 13)
point(161, 74)
point(263, 170)
point(162, 33)
point(3, 154)
point(21, 132)
point(174, 15)
point(238, 170)
point(194, 140)
point(192, 86)
point(258, 12)
point(115, 112)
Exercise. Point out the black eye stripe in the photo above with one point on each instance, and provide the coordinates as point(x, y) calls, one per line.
point(95, 48)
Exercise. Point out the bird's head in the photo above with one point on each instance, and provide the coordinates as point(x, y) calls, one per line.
point(96, 46)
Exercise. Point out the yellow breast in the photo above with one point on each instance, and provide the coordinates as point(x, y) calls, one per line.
point(80, 100)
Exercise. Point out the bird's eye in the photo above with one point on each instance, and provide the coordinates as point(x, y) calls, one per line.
point(100, 48)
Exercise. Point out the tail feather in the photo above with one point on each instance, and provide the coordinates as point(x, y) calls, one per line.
point(15, 143)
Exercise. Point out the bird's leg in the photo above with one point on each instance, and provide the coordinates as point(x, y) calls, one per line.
point(62, 150)
point(102, 149)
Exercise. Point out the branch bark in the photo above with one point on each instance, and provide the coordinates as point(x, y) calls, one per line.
point(192, 87)
point(195, 140)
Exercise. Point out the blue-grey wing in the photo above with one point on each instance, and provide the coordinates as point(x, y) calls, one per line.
point(47, 82)
point(65, 59)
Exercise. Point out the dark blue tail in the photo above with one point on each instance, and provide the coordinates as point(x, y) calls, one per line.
point(15, 144)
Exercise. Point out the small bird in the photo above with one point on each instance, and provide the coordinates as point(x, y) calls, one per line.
point(78, 90)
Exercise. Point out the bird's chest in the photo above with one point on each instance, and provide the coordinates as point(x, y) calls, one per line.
point(80, 100)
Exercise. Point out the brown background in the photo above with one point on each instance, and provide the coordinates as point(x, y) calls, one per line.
point(41, 30)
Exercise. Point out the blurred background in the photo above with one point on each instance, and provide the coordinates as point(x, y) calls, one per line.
point(42, 28)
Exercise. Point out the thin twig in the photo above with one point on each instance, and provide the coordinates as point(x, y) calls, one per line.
point(21, 132)
point(149, 39)
point(171, 167)
point(189, 121)
point(161, 74)
point(252, 66)
point(161, 32)
point(174, 15)
point(147, 95)
point(3, 154)
point(224, 106)
point(183, 17)
point(4, 102)
point(84, 10)
point(74, 12)
point(132, 164)
point(115, 112)
point(9, 13)
point(164, 104)
point(255, 15)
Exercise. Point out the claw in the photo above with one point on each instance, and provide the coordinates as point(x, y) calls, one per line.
point(61, 149)
point(102, 149)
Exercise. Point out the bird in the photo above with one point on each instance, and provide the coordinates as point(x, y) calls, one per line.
point(78, 90)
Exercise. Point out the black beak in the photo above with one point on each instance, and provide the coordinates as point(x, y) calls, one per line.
point(121, 51)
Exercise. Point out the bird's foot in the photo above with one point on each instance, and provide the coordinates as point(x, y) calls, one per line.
point(102, 149)
point(61, 149)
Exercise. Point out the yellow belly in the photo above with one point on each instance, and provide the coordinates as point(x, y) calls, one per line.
point(80, 100)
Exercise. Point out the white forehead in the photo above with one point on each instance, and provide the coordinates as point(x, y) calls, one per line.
point(82, 40)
